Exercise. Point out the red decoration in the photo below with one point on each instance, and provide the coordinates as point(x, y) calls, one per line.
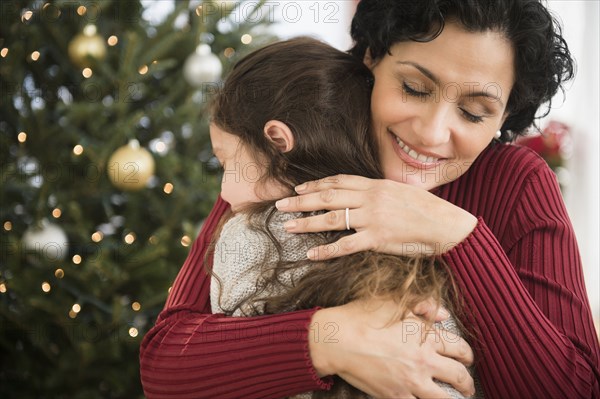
point(551, 144)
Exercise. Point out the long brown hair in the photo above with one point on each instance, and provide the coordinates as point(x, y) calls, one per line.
point(323, 95)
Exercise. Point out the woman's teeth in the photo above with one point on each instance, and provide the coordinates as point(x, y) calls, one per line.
point(413, 154)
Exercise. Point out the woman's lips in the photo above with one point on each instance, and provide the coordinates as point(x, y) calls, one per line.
point(411, 157)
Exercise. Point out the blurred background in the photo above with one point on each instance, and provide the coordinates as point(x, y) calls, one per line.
point(106, 169)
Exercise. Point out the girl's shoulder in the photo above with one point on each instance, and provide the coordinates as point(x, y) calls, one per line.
point(244, 224)
point(236, 222)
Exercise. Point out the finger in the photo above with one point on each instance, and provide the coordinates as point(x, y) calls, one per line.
point(448, 344)
point(442, 314)
point(454, 373)
point(330, 221)
point(344, 246)
point(431, 390)
point(329, 199)
point(427, 309)
point(338, 181)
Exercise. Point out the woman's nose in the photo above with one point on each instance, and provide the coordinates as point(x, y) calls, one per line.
point(433, 128)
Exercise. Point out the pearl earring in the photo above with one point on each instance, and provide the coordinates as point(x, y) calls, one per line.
point(498, 134)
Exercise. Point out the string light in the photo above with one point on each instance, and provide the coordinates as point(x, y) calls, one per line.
point(59, 273)
point(26, 16)
point(8, 225)
point(4, 52)
point(168, 188)
point(186, 241)
point(229, 52)
point(35, 55)
point(78, 149)
point(143, 70)
point(2, 288)
point(97, 236)
point(87, 72)
point(76, 308)
point(77, 259)
point(90, 30)
point(56, 212)
point(133, 332)
point(81, 10)
point(160, 147)
point(22, 137)
point(136, 306)
point(153, 240)
point(129, 238)
point(46, 286)
point(246, 39)
point(72, 314)
point(112, 41)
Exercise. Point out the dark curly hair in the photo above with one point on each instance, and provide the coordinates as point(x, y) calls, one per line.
point(542, 58)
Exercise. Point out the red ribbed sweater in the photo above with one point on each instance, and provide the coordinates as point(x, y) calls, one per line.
point(519, 272)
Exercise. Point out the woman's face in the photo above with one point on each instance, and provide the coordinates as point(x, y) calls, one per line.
point(437, 105)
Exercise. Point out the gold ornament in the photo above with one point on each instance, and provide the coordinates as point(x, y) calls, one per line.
point(130, 167)
point(86, 47)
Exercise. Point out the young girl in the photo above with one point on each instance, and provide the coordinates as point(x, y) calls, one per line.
point(291, 112)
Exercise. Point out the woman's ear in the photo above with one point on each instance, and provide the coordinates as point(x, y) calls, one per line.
point(280, 135)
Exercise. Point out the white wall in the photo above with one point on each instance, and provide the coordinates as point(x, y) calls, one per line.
point(580, 110)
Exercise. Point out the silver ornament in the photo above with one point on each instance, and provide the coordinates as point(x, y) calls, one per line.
point(202, 67)
point(47, 239)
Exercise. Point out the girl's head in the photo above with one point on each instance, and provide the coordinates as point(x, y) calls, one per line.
point(450, 74)
point(290, 112)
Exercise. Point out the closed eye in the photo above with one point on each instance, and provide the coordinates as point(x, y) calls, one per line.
point(413, 92)
point(471, 117)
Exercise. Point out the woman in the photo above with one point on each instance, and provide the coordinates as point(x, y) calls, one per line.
point(448, 76)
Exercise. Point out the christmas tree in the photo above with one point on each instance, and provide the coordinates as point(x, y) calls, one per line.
point(106, 173)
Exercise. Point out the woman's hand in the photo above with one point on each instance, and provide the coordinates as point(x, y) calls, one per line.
point(387, 360)
point(388, 217)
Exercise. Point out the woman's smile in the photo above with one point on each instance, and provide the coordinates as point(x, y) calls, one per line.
point(412, 157)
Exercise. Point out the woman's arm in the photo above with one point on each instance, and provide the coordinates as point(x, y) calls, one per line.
point(191, 353)
point(529, 303)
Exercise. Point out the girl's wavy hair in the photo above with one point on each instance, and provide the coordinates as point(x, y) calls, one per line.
point(542, 58)
point(323, 95)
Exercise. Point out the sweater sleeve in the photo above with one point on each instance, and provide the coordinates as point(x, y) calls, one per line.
point(528, 305)
point(191, 353)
